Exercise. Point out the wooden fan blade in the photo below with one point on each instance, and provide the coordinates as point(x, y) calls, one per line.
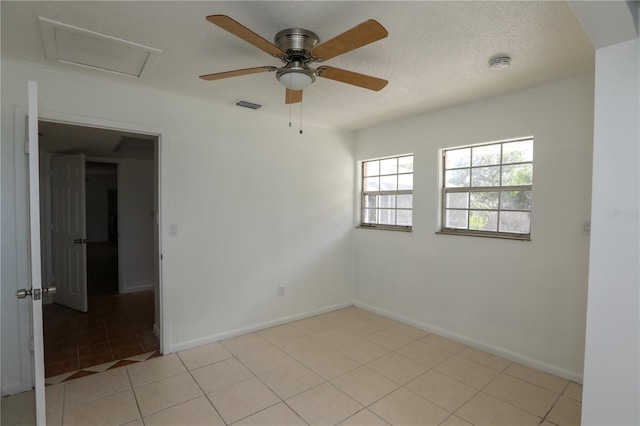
point(350, 77)
point(358, 36)
point(245, 33)
point(293, 96)
point(235, 73)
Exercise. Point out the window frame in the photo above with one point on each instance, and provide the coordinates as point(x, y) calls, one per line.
point(363, 193)
point(471, 189)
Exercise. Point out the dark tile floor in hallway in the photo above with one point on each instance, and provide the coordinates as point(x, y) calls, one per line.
point(116, 326)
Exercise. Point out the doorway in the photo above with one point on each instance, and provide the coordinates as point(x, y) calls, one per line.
point(120, 320)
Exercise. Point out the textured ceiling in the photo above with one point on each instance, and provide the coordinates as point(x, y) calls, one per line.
point(435, 56)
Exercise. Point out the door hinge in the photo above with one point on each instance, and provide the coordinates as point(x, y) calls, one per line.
point(31, 345)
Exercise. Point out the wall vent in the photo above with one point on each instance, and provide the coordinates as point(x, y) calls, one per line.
point(249, 105)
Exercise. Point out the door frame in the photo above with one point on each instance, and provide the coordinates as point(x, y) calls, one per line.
point(161, 326)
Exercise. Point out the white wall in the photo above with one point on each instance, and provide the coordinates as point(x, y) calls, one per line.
point(523, 300)
point(257, 205)
point(136, 221)
point(612, 359)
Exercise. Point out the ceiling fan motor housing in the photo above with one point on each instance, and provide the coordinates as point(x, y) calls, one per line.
point(297, 43)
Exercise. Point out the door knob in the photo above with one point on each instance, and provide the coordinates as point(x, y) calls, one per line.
point(23, 293)
point(79, 241)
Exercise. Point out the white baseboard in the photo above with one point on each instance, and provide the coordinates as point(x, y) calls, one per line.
point(504, 353)
point(12, 389)
point(137, 289)
point(256, 327)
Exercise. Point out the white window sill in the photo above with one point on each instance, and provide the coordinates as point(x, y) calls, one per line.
point(487, 235)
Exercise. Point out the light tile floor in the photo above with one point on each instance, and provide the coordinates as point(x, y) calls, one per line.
point(346, 367)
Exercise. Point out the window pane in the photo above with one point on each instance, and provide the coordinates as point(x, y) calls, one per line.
point(483, 220)
point(486, 155)
point(389, 166)
point(517, 152)
point(371, 184)
point(404, 217)
point(485, 176)
point(456, 219)
point(370, 200)
point(405, 201)
point(389, 183)
point(369, 216)
point(371, 168)
point(457, 158)
point(484, 200)
point(517, 174)
point(387, 201)
point(387, 217)
point(405, 164)
point(456, 178)
point(405, 182)
point(515, 200)
point(516, 222)
point(457, 200)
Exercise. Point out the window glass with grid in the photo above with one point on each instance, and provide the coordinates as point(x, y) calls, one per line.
point(487, 189)
point(387, 193)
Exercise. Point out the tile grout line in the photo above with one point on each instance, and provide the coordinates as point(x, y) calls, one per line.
point(268, 387)
point(200, 387)
point(554, 404)
point(134, 394)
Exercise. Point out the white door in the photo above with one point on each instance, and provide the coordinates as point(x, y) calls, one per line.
point(69, 244)
point(34, 294)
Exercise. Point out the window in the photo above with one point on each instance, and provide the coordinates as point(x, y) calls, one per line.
point(487, 189)
point(387, 193)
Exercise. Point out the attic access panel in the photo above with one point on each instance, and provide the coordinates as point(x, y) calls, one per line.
point(77, 46)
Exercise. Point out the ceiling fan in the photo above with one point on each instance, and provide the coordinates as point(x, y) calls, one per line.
point(298, 48)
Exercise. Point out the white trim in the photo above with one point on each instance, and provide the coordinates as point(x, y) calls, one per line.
point(48, 243)
point(256, 327)
point(137, 289)
point(504, 353)
point(158, 132)
point(12, 388)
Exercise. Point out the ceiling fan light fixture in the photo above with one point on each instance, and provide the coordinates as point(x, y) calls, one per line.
point(296, 78)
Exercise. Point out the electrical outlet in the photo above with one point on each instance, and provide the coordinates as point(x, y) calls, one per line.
point(280, 290)
point(586, 227)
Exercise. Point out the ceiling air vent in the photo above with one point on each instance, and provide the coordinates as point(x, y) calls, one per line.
point(72, 45)
point(249, 105)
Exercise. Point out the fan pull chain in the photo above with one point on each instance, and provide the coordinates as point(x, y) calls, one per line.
point(300, 117)
point(289, 99)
